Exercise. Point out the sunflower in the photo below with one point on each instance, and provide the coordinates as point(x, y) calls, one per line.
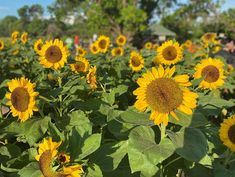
point(212, 71)
point(82, 65)
point(155, 46)
point(118, 51)
point(63, 158)
point(91, 78)
point(136, 61)
point(94, 48)
point(80, 51)
point(164, 94)
point(169, 52)
point(187, 43)
point(227, 132)
point(229, 69)
point(73, 171)
point(148, 45)
point(46, 145)
point(53, 54)
point(1, 44)
point(24, 37)
point(121, 40)
point(38, 46)
point(14, 36)
point(21, 98)
point(209, 37)
point(103, 43)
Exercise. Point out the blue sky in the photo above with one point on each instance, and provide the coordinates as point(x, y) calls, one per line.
point(9, 7)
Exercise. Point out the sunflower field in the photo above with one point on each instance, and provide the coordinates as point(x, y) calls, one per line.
point(112, 110)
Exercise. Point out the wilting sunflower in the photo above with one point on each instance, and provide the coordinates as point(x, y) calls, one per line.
point(1, 45)
point(164, 94)
point(136, 61)
point(21, 98)
point(209, 37)
point(169, 53)
point(148, 45)
point(46, 145)
point(91, 78)
point(212, 71)
point(14, 36)
point(38, 45)
point(94, 48)
point(227, 132)
point(73, 171)
point(80, 51)
point(82, 65)
point(53, 54)
point(121, 40)
point(118, 51)
point(24, 37)
point(103, 43)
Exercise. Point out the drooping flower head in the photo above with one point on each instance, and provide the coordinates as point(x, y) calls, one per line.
point(91, 77)
point(14, 37)
point(164, 94)
point(24, 37)
point(21, 98)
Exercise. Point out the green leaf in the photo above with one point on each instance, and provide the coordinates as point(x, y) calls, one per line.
point(135, 118)
point(91, 144)
point(109, 97)
point(142, 138)
point(31, 170)
point(110, 155)
point(29, 131)
point(190, 143)
point(94, 171)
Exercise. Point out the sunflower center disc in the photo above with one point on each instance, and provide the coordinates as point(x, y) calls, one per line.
point(231, 134)
point(80, 66)
point(53, 54)
point(20, 99)
point(121, 40)
point(118, 52)
point(102, 44)
point(135, 61)
point(211, 73)
point(169, 53)
point(164, 95)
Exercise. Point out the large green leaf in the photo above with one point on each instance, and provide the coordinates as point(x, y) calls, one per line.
point(190, 143)
point(143, 148)
point(110, 155)
point(135, 118)
point(31, 170)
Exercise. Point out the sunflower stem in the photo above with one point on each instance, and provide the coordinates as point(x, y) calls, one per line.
point(60, 97)
point(163, 131)
point(226, 161)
